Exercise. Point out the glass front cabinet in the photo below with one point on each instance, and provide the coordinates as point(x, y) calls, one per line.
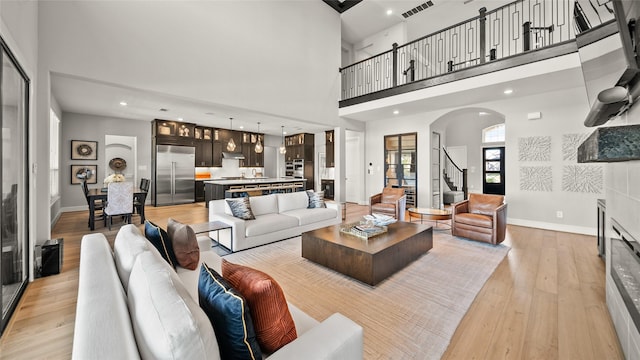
point(400, 164)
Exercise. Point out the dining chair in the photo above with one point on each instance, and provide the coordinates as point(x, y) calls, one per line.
point(140, 199)
point(119, 202)
point(98, 204)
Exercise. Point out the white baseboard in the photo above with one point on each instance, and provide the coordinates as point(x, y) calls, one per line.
point(74, 208)
point(552, 226)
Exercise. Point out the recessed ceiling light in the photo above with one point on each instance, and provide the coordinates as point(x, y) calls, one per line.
point(389, 12)
point(284, 132)
point(396, 112)
point(241, 126)
point(483, 113)
point(180, 119)
point(123, 103)
point(508, 91)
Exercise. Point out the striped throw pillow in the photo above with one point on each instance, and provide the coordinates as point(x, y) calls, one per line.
point(316, 199)
point(241, 208)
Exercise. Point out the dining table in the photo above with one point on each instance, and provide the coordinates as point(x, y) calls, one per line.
point(101, 194)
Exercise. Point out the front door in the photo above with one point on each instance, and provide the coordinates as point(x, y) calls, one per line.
point(493, 170)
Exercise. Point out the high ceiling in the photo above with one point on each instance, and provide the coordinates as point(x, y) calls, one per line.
point(371, 16)
point(365, 18)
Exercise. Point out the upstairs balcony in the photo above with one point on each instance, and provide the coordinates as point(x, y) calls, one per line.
point(518, 33)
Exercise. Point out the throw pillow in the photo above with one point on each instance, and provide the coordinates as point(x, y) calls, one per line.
point(241, 208)
point(167, 322)
point(272, 320)
point(316, 199)
point(160, 239)
point(230, 316)
point(185, 244)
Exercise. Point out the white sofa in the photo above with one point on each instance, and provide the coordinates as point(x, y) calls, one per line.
point(119, 313)
point(278, 217)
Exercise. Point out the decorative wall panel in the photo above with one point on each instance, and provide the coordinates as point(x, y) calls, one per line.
point(536, 178)
point(535, 148)
point(570, 143)
point(582, 178)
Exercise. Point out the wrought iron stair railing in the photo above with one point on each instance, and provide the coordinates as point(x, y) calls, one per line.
point(454, 177)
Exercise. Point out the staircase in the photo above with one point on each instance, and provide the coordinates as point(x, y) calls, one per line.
point(456, 180)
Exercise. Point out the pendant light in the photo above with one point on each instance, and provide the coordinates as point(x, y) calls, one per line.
point(231, 145)
point(283, 149)
point(259, 147)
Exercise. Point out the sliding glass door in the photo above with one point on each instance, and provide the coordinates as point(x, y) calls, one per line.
point(14, 263)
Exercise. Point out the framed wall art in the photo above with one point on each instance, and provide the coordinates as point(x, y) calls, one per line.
point(84, 150)
point(82, 172)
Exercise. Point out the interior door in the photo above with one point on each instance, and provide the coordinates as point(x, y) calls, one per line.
point(352, 170)
point(493, 170)
point(435, 170)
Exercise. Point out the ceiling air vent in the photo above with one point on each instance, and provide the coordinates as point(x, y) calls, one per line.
point(417, 9)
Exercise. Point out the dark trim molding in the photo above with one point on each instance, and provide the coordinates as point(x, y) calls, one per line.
point(560, 49)
point(341, 6)
point(597, 33)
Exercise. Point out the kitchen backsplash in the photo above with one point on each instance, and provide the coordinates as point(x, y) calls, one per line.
point(230, 167)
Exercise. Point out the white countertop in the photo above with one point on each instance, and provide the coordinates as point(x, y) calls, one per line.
point(251, 181)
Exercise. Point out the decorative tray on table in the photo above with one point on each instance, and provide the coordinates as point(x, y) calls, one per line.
point(363, 231)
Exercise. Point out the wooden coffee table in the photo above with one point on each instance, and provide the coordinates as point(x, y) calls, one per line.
point(372, 260)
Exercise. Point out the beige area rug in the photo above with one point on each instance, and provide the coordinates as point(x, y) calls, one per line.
point(411, 315)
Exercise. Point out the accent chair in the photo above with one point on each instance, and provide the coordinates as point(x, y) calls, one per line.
point(391, 201)
point(483, 217)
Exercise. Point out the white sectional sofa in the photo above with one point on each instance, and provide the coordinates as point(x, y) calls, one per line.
point(278, 217)
point(119, 313)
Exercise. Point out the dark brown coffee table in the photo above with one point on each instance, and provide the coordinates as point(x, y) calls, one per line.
point(369, 261)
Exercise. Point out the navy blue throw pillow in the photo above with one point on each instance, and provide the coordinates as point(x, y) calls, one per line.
point(160, 239)
point(229, 314)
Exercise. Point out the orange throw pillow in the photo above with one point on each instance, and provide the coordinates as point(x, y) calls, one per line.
point(185, 244)
point(272, 320)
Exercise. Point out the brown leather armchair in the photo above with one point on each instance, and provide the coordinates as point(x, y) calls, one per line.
point(482, 217)
point(391, 201)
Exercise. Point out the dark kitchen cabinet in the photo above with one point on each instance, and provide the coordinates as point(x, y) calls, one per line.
point(251, 158)
point(329, 142)
point(299, 146)
point(204, 153)
point(199, 191)
point(328, 188)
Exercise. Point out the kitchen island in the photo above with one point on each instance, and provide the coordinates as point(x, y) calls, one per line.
point(217, 189)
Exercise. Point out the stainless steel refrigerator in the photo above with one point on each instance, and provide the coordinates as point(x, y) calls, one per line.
point(174, 174)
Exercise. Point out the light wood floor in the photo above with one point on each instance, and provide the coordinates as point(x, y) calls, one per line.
point(544, 301)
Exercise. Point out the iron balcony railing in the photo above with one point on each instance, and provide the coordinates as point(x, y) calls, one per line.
point(512, 29)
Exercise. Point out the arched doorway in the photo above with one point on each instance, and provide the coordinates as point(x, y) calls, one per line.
point(461, 132)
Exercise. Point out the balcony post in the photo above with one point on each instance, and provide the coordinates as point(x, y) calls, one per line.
point(395, 64)
point(526, 36)
point(483, 34)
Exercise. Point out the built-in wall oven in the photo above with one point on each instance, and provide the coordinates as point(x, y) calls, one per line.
point(288, 168)
point(295, 168)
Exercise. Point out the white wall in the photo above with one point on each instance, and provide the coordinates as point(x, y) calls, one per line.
point(380, 42)
point(258, 55)
point(562, 111)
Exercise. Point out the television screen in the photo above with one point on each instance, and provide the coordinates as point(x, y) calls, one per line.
point(610, 60)
point(603, 64)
